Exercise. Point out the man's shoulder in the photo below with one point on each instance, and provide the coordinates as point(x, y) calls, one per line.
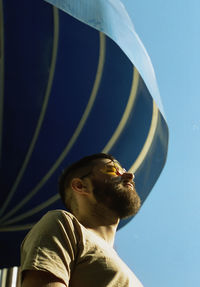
point(55, 223)
point(59, 215)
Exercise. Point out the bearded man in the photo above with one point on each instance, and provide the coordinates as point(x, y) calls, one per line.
point(75, 248)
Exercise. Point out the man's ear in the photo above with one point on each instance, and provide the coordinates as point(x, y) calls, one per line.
point(78, 186)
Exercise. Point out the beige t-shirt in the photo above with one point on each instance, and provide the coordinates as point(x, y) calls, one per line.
point(59, 244)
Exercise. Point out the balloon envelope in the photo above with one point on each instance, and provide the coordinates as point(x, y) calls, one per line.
point(75, 80)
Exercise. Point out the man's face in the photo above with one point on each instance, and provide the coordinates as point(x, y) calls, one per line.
point(114, 188)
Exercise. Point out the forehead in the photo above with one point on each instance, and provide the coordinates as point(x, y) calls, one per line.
point(107, 161)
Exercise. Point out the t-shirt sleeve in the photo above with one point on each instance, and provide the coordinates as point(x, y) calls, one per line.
point(51, 246)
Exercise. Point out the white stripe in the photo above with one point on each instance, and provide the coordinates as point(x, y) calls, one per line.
point(3, 277)
point(14, 276)
point(76, 133)
point(16, 227)
point(33, 211)
point(42, 114)
point(149, 140)
point(126, 114)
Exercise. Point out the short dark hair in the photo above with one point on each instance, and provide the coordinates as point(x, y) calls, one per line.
point(70, 171)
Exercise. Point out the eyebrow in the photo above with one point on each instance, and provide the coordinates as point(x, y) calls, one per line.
point(109, 165)
point(112, 163)
point(115, 165)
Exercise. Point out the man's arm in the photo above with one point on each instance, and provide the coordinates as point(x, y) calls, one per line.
point(33, 278)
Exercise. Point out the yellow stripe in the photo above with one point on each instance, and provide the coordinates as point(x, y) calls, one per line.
point(76, 133)
point(148, 141)
point(126, 114)
point(43, 111)
point(1, 73)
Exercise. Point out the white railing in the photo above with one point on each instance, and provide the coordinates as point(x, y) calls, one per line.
point(10, 277)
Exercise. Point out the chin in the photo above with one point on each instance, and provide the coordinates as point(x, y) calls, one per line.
point(126, 206)
point(121, 198)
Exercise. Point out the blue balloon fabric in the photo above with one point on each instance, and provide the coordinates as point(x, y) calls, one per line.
point(75, 80)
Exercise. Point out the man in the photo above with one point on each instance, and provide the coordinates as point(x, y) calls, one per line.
point(75, 249)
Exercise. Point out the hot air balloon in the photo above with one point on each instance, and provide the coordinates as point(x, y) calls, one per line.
point(75, 80)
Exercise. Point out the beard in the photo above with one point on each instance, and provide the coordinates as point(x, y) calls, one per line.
point(117, 196)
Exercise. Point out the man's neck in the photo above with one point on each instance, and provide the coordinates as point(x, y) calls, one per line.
point(106, 232)
point(104, 224)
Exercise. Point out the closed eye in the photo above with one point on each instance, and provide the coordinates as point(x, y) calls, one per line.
point(109, 169)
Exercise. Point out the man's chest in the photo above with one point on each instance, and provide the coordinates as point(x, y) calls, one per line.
point(99, 265)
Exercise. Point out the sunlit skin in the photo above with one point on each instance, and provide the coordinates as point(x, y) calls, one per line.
point(113, 168)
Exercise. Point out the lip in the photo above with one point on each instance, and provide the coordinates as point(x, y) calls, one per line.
point(128, 184)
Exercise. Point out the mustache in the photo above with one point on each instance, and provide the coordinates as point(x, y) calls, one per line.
point(116, 179)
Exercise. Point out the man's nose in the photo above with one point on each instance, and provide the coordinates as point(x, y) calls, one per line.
point(128, 175)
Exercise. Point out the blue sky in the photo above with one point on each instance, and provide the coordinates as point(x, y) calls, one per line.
point(162, 243)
